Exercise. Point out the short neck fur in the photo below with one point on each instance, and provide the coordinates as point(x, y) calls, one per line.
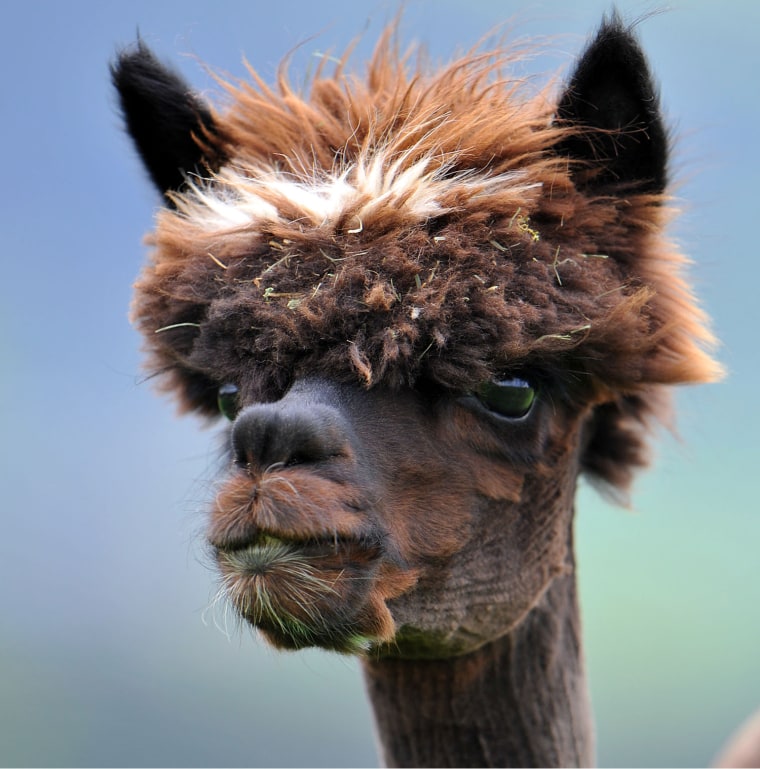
point(518, 701)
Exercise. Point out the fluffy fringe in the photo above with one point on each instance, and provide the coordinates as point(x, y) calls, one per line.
point(414, 226)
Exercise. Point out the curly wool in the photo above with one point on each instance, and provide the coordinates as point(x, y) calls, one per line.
point(408, 227)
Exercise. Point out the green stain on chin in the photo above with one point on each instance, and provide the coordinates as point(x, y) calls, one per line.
point(290, 633)
point(358, 644)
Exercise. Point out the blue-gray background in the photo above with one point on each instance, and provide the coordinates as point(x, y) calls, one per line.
point(104, 655)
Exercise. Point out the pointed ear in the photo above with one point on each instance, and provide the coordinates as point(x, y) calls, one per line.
point(173, 130)
point(614, 104)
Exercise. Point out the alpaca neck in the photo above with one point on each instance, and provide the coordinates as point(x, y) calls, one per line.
point(518, 701)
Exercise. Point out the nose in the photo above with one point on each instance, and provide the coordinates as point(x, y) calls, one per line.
point(288, 433)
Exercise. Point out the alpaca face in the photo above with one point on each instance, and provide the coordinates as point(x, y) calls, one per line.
point(406, 522)
point(428, 302)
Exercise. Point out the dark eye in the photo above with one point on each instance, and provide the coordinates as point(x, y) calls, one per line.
point(227, 400)
point(512, 398)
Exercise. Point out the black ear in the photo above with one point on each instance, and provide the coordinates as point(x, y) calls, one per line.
point(172, 128)
point(612, 100)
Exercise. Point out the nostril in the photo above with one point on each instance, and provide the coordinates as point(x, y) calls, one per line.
point(287, 434)
point(245, 459)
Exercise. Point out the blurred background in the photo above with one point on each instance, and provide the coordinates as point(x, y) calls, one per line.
point(109, 654)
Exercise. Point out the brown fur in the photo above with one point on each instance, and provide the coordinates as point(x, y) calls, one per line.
point(358, 261)
point(583, 287)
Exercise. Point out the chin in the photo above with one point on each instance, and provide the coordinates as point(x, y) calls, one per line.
point(315, 592)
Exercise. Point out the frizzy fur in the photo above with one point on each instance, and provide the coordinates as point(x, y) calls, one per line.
point(507, 265)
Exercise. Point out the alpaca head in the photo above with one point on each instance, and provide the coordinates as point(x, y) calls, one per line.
point(427, 302)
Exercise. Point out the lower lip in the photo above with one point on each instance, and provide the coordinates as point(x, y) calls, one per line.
point(268, 551)
point(256, 558)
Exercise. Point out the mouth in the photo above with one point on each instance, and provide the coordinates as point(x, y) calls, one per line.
point(262, 549)
point(314, 591)
point(301, 560)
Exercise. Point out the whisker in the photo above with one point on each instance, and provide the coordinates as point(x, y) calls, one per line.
point(278, 479)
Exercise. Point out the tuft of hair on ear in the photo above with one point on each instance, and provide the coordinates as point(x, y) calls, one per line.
point(612, 110)
point(617, 440)
point(173, 130)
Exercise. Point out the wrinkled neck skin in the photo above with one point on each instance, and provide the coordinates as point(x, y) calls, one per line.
point(520, 700)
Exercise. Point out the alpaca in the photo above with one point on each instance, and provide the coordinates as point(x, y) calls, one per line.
point(427, 302)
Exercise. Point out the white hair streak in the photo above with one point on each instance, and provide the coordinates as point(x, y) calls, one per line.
point(238, 197)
